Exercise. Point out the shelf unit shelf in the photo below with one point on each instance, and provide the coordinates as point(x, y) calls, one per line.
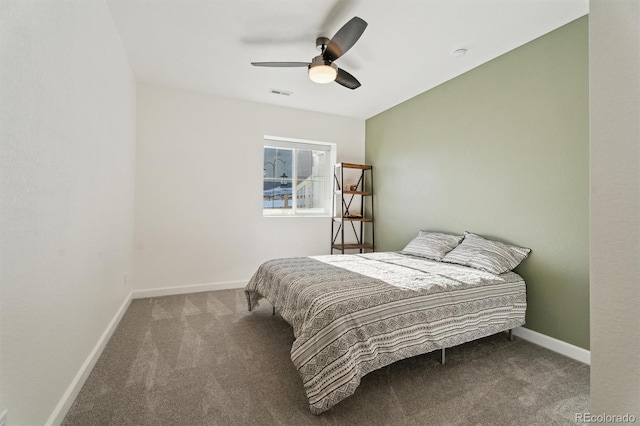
point(355, 166)
point(353, 219)
point(347, 192)
point(352, 246)
point(357, 216)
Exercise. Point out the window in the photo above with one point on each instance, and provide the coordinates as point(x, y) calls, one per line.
point(296, 177)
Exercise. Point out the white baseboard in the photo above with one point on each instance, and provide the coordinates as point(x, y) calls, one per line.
point(186, 289)
point(72, 391)
point(555, 345)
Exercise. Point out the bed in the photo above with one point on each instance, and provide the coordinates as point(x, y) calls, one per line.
point(352, 314)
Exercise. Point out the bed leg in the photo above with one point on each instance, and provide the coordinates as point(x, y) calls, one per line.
point(510, 334)
point(274, 311)
point(442, 359)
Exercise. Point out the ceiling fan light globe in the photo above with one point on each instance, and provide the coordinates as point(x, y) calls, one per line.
point(323, 74)
point(321, 71)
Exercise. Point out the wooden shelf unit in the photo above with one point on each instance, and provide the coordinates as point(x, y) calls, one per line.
point(344, 213)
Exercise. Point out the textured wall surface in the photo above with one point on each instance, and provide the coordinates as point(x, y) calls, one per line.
point(67, 132)
point(614, 66)
point(501, 151)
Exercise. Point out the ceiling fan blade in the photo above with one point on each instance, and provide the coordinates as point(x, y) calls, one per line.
point(280, 64)
point(344, 39)
point(347, 80)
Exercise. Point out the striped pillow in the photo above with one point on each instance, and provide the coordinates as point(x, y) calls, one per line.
point(487, 255)
point(432, 245)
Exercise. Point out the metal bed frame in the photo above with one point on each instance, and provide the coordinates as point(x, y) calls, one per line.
point(442, 351)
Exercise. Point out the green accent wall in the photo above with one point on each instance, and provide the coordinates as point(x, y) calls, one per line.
point(501, 151)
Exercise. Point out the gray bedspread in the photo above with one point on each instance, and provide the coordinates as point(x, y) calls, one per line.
point(352, 314)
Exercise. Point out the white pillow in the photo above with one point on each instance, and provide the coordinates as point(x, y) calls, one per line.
point(491, 256)
point(432, 245)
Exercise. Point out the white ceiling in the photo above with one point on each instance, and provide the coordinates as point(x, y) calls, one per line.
point(207, 45)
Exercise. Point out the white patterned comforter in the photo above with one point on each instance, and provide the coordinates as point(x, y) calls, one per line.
point(352, 314)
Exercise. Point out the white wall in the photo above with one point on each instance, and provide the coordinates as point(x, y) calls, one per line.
point(199, 187)
point(614, 68)
point(67, 133)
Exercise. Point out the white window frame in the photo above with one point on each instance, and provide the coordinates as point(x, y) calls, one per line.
point(291, 143)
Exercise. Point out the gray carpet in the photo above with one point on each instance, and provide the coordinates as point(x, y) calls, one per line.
point(202, 359)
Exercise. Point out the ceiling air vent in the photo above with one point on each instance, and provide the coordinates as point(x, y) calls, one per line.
point(280, 92)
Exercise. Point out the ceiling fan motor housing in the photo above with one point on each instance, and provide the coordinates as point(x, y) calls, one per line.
point(319, 61)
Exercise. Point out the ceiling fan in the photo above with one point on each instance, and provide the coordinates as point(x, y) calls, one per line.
point(321, 68)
